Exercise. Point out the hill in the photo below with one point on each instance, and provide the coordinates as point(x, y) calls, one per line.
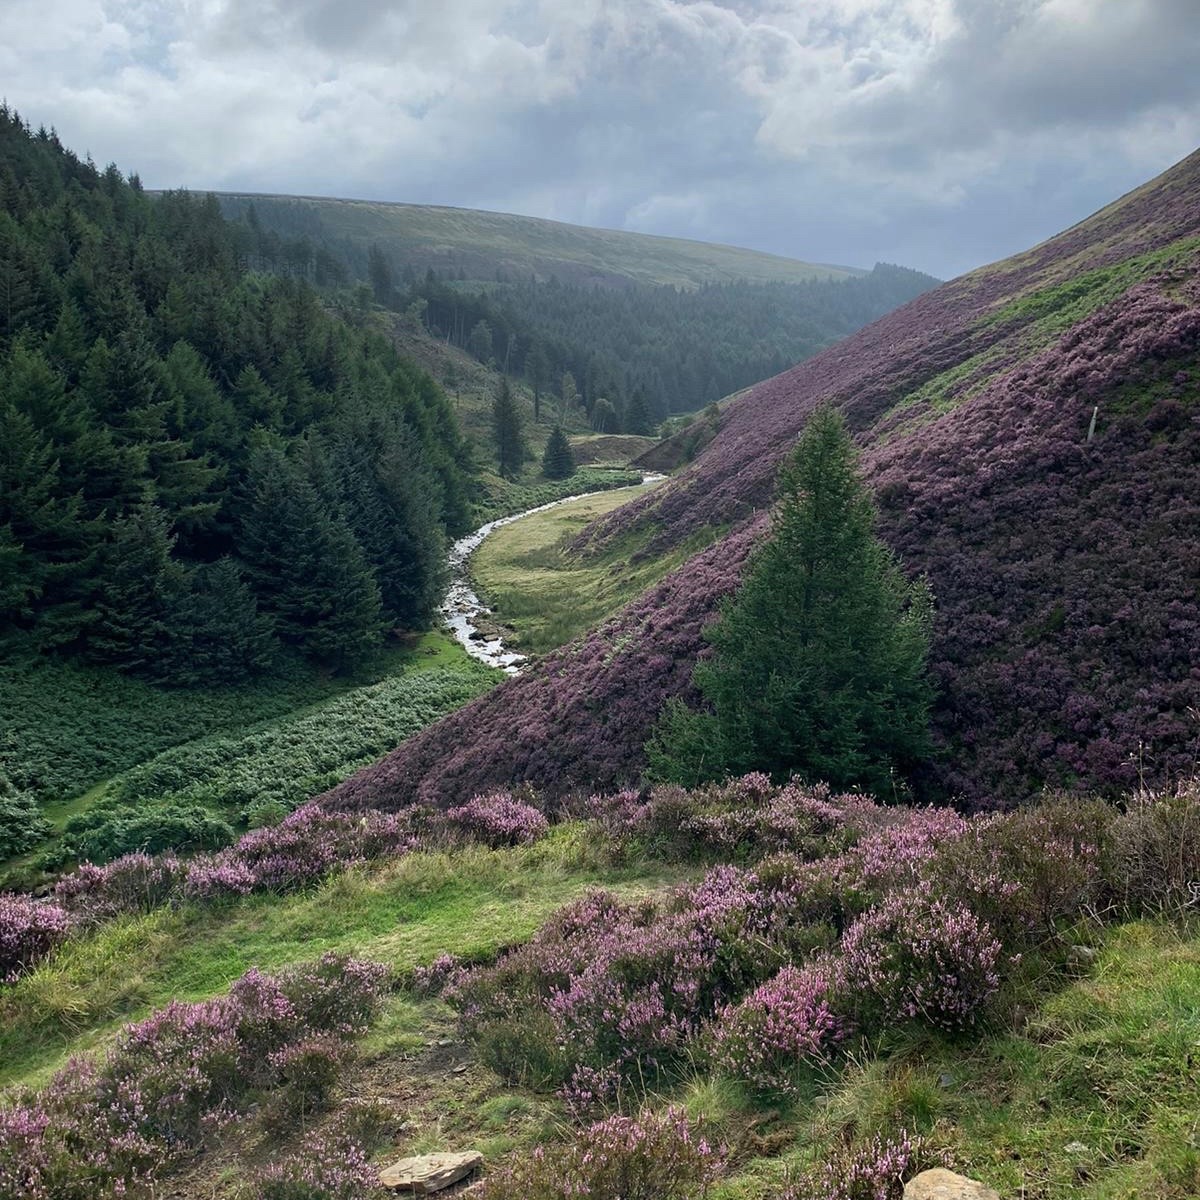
point(653, 326)
point(472, 244)
point(1064, 559)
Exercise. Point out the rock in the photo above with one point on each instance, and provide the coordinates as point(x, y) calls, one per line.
point(1075, 1148)
point(940, 1184)
point(429, 1172)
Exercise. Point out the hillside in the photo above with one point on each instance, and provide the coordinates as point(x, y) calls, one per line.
point(1065, 565)
point(653, 326)
point(468, 243)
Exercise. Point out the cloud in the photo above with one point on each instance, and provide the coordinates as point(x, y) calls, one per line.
point(935, 132)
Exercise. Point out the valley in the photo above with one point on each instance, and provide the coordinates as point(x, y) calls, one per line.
point(801, 795)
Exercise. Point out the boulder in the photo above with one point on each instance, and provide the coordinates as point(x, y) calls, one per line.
point(940, 1184)
point(429, 1173)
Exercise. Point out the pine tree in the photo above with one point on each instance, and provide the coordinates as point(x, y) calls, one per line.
point(217, 634)
point(506, 425)
point(138, 586)
point(480, 342)
point(818, 663)
point(305, 567)
point(637, 415)
point(537, 368)
point(558, 461)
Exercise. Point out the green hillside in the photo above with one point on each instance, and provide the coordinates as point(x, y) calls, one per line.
point(482, 243)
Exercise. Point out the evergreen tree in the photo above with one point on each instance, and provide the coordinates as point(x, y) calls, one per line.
point(506, 425)
point(138, 587)
point(637, 415)
point(379, 271)
point(537, 368)
point(818, 663)
point(480, 342)
point(558, 461)
point(305, 567)
point(217, 634)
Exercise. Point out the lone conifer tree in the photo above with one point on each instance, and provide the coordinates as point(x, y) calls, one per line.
point(818, 663)
point(506, 424)
point(558, 462)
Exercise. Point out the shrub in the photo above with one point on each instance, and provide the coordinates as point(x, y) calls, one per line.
point(911, 958)
point(326, 1168)
point(607, 992)
point(497, 820)
point(793, 1020)
point(875, 1170)
point(107, 832)
point(1157, 852)
point(132, 883)
point(1024, 872)
point(102, 1128)
point(29, 929)
point(22, 824)
point(653, 1156)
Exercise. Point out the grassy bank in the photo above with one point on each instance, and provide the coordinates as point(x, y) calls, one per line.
point(546, 593)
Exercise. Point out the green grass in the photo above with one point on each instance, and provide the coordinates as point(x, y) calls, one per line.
point(1108, 1065)
point(472, 902)
point(548, 594)
point(532, 489)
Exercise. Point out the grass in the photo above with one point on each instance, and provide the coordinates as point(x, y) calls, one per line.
point(546, 593)
point(1092, 1094)
point(472, 902)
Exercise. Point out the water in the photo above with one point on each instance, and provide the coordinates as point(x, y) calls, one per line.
point(461, 607)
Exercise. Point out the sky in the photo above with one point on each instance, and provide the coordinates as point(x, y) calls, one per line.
point(939, 134)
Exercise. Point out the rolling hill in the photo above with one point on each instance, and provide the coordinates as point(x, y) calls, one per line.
point(479, 244)
point(1065, 558)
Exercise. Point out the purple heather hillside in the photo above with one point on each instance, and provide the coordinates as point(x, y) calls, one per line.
point(1066, 570)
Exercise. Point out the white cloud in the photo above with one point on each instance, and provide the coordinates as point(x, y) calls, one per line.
point(843, 129)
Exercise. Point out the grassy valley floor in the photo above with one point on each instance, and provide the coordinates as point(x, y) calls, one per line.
point(547, 593)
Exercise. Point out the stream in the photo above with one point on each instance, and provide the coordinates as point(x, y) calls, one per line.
point(461, 607)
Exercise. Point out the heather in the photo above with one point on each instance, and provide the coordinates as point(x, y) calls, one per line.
point(648, 1156)
point(170, 1083)
point(1064, 569)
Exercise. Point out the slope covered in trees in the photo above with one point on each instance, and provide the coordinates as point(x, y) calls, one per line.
point(654, 326)
point(1064, 558)
point(200, 469)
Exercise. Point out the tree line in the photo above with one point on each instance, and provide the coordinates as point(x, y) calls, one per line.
point(203, 473)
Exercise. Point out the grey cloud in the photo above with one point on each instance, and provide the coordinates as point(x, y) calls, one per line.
point(941, 133)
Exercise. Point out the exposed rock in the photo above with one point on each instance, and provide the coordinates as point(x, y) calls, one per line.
point(429, 1173)
point(940, 1184)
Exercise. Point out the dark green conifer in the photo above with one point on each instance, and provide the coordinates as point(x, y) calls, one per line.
point(506, 426)
point(818, 663)
point(558, 461)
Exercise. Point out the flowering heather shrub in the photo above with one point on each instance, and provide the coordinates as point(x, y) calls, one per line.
point(1157, 852)
point(606, 991)
point(653, 1156)
point(100, 1129)
point(302, 849)
point(132, 883)
point(498, 820)
point(875, 1170)
point(911, 958)
point(326, 1168)
point(440, 974)
point(29, 930)
point(792, 1020)
point(1025, 871)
